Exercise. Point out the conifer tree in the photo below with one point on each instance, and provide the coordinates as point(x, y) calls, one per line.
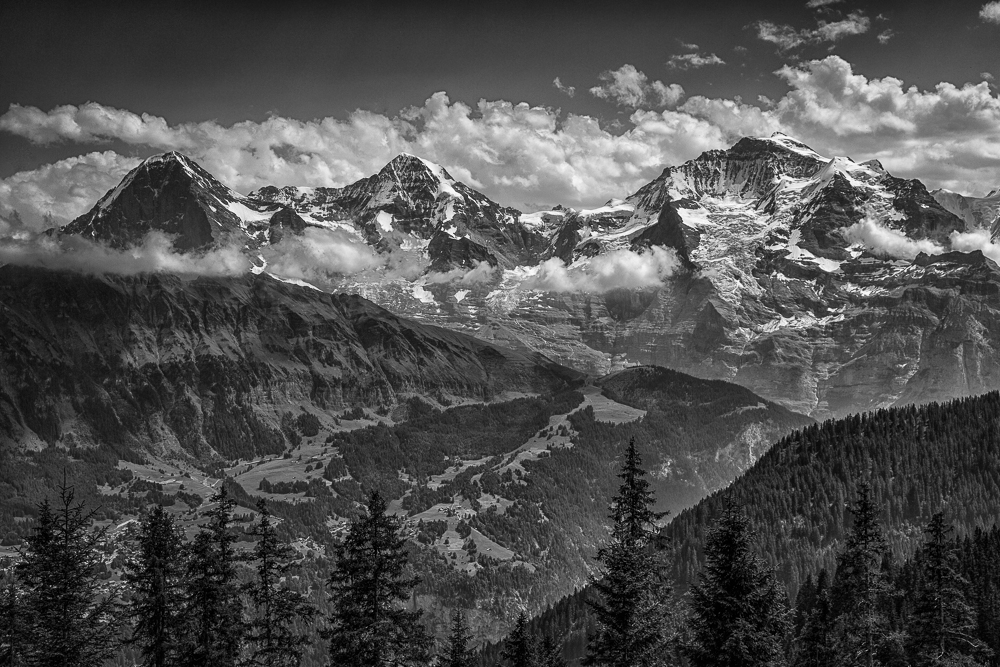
point(550, 653)
point(738, 611)
point(458, 652)
point(275, 632)
point(214, 606)
point(155, 578)
point(519, 648)
point(633, 595)
point(861, 586)
point(813, 646)
point(11, 622)
point(71, 617)
point(942, 625)
point(368, 626)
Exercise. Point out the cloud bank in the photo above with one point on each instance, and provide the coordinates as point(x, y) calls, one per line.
point(613, 270)
point(522, 155)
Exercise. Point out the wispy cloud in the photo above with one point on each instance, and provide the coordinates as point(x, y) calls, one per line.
point(694, 61)
point(990, 12)
point(786, 37)
point(628, 87)
point(568, 90)
point(885, 36)
point(815, 4)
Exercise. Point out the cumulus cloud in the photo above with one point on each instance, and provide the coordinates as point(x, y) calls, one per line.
point(613, 270)
point(481, 272)
point(154, 255)
point(887, 242)
point(990, 12)
point(568, 90)
point(976, 240)
point(319, 255)
point(694, 61)
point(628, 87)
point(786, 37)
point(56, 193)
point(514, 153)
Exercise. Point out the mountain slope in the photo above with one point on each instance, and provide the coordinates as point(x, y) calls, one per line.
point(208, 365)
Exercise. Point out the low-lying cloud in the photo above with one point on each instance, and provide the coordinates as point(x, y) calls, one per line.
point(886, 242)
point(613, 270)
point(154, 255)
point(481, 272)
point(319, 255)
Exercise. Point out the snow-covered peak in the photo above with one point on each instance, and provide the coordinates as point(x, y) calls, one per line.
point(794, 145)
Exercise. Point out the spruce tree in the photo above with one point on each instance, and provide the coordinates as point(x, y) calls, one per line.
point(814, 646)
point(11, 622)
point(155, 577)
point(276, 635)
point(71, 618)
point(738, 611)
point(368, 625)
point(861, 586)
point(458, 653)
point(942, 626)
point(550, 653)
point(519, 648)
point(633, 595)
point(214, 607)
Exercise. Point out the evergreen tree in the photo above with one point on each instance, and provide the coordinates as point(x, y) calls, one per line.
point(738, 611)
point(814, 646)
point(70, 616)
point(11, 622)
point(368, 626)
point(633, 594)
point(861, 586)
point(214, 607)
point(519, 646)
point(277, 610)
point(942, 625)
point(458, 653)
point(550, 653)
point(155, 578)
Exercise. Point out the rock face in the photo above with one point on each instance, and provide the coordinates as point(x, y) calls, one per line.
point(171, 193)
point(796, 274)
point(208, 366)
point(413, 204)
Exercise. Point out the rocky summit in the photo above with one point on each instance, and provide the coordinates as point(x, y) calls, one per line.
point(824, 284)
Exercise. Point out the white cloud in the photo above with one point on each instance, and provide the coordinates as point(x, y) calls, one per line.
point(888, 242)
point(884, 36)
point(987, 76)
point(786, 37)
point(814, 4)
point(687, 46)
point(613, 270)
point(977, 240)
point(568, 90)
point(480, 273)
point(154, 255)
point(694, 60)
point(628, 87)
point(991, 12)
point(319, 254)
point(64, 189)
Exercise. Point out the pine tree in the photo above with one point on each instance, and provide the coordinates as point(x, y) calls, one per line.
point(71, 617)
point(11, 622)
point(155, 578)
point(738, 611)
point(550, 653)
point(942, 626)
point(861, 587)
point(368, 586)
point(519, 646)
point(813, 646)
point(632, 606)
point(277, 611)
point(458, 653)
point(214, 607)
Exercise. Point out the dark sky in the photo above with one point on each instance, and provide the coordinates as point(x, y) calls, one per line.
point(243, 61)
